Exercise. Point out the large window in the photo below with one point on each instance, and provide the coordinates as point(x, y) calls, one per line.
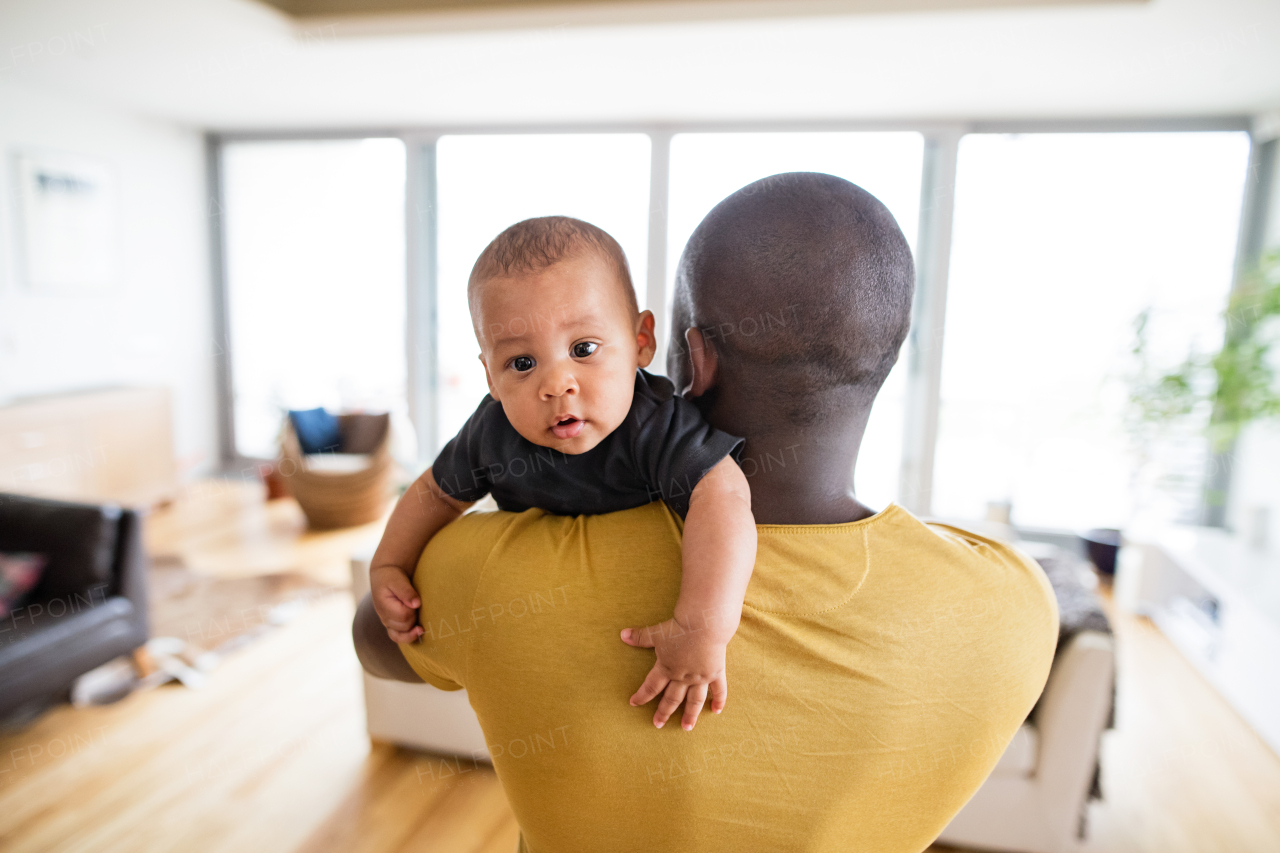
point(315, 280)
point(489, 182)
point(706, 167)
point(1060, 241)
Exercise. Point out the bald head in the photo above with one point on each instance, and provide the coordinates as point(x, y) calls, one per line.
point(803, 284)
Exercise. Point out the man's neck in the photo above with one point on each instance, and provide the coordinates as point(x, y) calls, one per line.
point(797, 474)
point(801, 479)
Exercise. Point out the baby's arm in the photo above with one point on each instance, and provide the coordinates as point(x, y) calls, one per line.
point(719, 554)
point(419, 515)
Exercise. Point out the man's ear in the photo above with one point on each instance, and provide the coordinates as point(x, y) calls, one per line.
point(646, 340)
point(493, 392)
point(705, 362)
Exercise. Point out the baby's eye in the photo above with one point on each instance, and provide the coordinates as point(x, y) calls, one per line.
point(522, 364)
point(582, 349)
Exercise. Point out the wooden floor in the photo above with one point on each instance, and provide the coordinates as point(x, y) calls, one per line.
point(272, 755)
point(224, 528)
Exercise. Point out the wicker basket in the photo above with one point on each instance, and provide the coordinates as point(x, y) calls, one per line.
point(333, 499)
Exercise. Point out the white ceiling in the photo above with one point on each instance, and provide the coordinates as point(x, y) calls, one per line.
point(235, 64)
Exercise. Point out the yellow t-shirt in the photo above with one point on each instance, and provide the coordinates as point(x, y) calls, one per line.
point(880, 669)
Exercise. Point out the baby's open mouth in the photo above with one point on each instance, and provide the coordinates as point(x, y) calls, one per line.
point(567, 427)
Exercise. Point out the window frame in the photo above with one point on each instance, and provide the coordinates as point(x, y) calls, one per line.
point(923, 350)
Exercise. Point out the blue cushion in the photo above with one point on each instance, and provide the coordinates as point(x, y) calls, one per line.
point(317, 430)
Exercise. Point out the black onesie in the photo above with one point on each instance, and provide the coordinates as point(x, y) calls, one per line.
point(661, 450)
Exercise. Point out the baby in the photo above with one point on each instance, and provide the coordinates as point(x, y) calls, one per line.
point(564, 346)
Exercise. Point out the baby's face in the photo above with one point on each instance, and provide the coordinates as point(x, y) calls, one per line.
point(560, 349)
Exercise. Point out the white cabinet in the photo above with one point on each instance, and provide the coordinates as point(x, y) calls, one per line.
point(1218, 601)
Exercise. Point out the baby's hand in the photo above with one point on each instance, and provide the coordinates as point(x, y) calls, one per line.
point(690, 662)
point(396, 602)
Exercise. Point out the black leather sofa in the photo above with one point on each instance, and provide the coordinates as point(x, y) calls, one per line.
point(89, 606)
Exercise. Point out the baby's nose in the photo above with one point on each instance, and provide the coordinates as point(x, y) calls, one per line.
point(558, 383)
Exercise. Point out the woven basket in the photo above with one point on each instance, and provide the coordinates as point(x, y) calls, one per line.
point(342, 499)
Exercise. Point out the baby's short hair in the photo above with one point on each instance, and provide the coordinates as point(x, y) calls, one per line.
point(535, 244)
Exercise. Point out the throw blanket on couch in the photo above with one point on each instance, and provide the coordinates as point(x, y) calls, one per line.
point(1079, 609)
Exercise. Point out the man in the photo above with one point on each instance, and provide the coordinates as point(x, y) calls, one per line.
point(881, 665)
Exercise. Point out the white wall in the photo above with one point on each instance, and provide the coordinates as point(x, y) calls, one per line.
point(154, 326)
point(1255, 479)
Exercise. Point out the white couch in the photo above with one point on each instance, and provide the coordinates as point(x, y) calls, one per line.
point(1032, 802)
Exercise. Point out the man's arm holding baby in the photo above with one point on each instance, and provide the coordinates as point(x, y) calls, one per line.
point(378, 654)
point(719, 555)
point(419, 515)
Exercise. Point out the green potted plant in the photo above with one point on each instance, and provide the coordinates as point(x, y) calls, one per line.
point(1236, 385)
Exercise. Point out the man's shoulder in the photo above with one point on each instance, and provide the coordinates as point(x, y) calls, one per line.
point(976, 615)
point(981, 579)
point(1001, 561)
point(485, 530)
point(959, 546)
point(468, 540)
point(998, 595)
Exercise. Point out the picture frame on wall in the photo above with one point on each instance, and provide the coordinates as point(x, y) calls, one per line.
point(67, 208)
